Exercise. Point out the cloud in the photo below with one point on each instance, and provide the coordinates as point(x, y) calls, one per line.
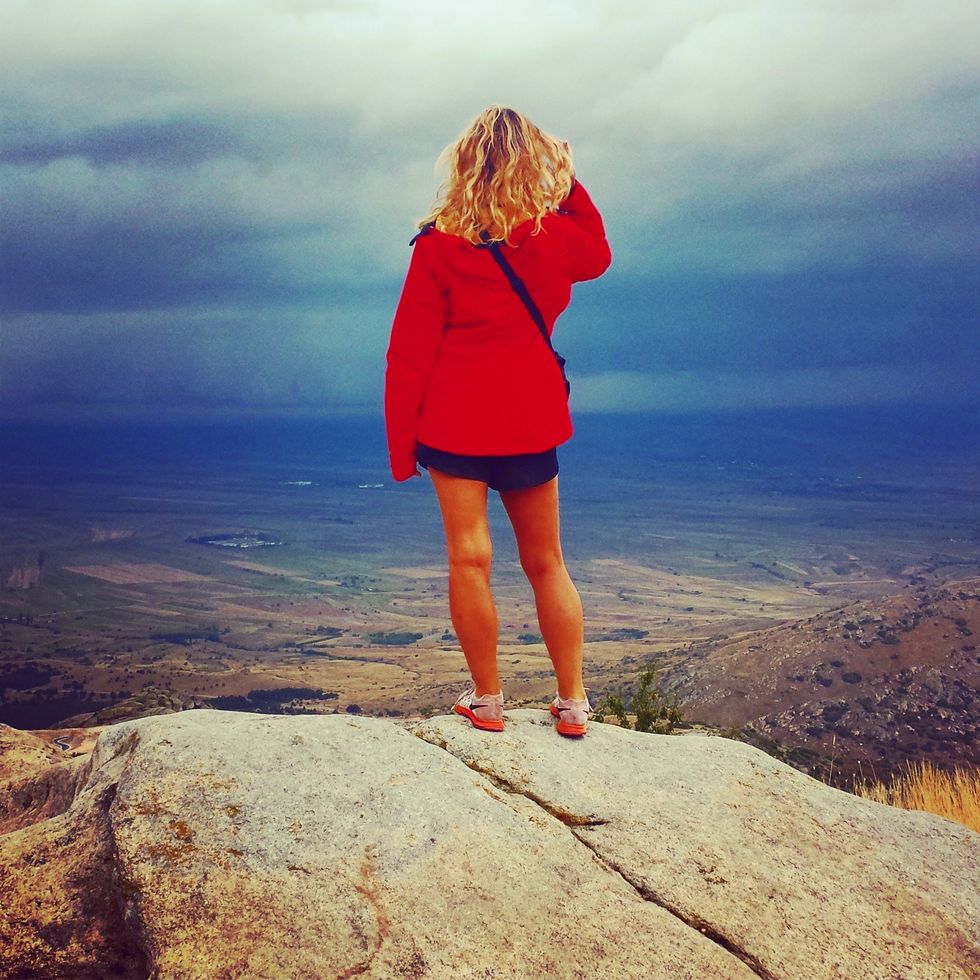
point(165, 163)
point(936, 382)
point(193, 364)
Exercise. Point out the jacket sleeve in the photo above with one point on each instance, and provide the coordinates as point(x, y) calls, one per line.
point(416, 333)
point(588, 250)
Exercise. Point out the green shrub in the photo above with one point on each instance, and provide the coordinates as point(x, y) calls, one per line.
point(612, 704)
point(654, 711)
point(394, 638)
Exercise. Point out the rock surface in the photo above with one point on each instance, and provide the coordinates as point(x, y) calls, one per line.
point(217, 844)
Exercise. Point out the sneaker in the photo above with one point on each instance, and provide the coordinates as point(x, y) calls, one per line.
point(572, 715)
point(485, 712)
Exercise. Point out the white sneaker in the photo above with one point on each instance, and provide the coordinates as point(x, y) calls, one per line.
point(572, 715)
point(485, 712)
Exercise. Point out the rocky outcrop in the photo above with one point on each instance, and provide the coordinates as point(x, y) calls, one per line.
point(150, 701)
point(217, 844)
point(874, 684)
point(32, 785)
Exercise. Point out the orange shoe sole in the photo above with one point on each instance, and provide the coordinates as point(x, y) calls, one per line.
point(486, 726)
point(566, 727)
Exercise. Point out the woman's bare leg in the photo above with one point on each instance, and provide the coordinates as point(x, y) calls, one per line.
point(464, 515)
point(534, 516)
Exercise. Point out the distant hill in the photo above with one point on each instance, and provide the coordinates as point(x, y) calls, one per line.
point(870, 684)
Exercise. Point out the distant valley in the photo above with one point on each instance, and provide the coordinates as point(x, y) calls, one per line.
point(815, 596)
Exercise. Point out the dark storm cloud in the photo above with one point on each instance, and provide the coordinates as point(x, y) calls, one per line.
point(819, 317)
point(173, 142)
point(206, 205)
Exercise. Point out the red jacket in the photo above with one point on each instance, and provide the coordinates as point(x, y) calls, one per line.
point(467, 368)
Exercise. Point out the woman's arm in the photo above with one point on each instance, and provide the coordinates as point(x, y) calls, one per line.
point(416, 333)
point(588, 249)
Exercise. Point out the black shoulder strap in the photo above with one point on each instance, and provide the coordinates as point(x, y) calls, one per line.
point(424, 230)
point(518, 286)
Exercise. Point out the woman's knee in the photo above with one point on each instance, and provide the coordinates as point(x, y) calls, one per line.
point(471, 557)
point(542, 563)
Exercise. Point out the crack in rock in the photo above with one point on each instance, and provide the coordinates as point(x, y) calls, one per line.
point(574, 820)
point(562, 815)
point(693, 921)
point(119, 888)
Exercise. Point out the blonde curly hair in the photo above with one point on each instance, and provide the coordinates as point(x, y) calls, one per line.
point(503, 170)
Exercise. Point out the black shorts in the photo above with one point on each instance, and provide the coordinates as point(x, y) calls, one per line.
point(518, 472)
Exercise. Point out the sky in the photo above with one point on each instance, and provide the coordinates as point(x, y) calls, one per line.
point(205, 206)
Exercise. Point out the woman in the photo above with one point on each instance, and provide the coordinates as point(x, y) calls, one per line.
point(474, 393)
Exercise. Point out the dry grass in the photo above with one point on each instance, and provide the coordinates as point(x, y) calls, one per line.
point(954, 795)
